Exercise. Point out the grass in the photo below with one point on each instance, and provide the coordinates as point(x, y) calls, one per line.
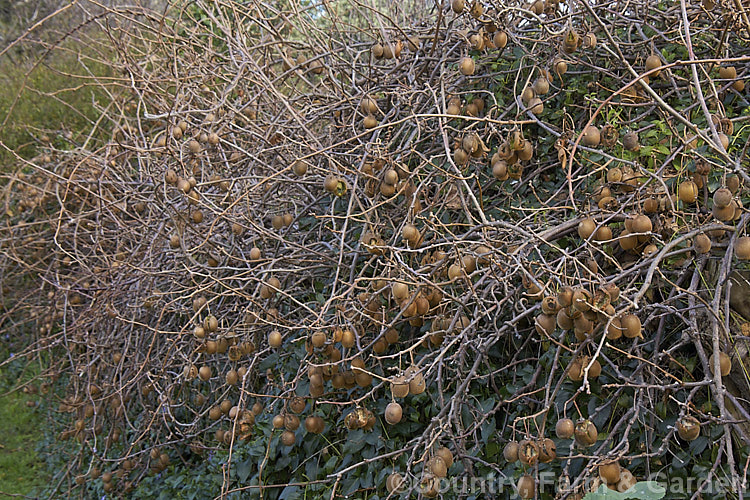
point(21, 470)
point(48, 99)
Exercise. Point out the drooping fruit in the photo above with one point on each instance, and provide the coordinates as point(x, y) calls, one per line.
point(446, 455)
point(725, 363)
point(688, 428)
point(564, 428)
point(702, 243)
point(586, 228)
point(652, 62)
point(630, 141)
point(526, 486)
point(466, 66)
point(610, 473)
point(528, 452)
point(586, 432)
point(687, 191)
point(393, 413)
point(591, 136)
point(395, 481)
point(742, 248)
point(510, 452)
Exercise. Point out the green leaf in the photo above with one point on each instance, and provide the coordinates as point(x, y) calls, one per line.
point(244, 469)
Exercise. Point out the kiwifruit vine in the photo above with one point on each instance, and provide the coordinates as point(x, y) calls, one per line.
point(415, 241)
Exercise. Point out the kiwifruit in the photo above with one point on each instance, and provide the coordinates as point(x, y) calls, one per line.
point(527, 152)
point(724, 140)
point(547, 450)
point(610, 473)
point(330, 183)
point(255, 253)
point(614, 330)
point(649, 250)
point(510, 451)
point(318, 339)
point(586, 433)
point(500, 39)
point(589, 41)
point(630, 141)
point(571, 41)
point(742, 248)
point(627, 240)
point(417, 383)
point(370, 122)
point(536, 106)
point(565, 296)
point(545, 324)
point(526, 486)
point(603, 233)
point(291, 422)
point(347, 339)
point(631, 325)
point(564, 322)
point(170, 177)
point(458, 6)
point(725, 363)
point(738, 85)
point(477, 9)
point(688, 428)
point(446, 455)
point(204, 373)
point(722, 197)
point(214, 413)
point(687, 191)
point(437, 466)
point(727, 73)
point(541, 85)
point(460, 156)
point(560, 67)
point(586, 228)
point(627, 480)
point(652, 62)
point(466, 66)
point(399, 387)
point(454, 107)
point(274, 339)
point(395, 481)
point(641, 224)
point(476, 41)
point(288, 438)
point(528, 452)
point(527, 95)
point(702, 243)
point(591, 136)
point(429, 485)
point(565, 428)
point(195, 146)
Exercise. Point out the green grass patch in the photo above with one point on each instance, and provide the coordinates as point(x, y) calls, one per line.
point(21, 470)
point(53, 100)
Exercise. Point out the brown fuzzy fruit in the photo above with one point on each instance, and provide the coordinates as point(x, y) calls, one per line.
point(536, 106)
point(631, 326)
point(288, 438)
point(688, 428)
point(274, 339)
point(510, 452)
point(630, 141)
point(393, 413)
point(565, 428)
point(547, 450)
point(725, 363)
point(526, 486)
point(446, 455)
point(610, 473)
point(458, 6)
point(466, 66)
point(722, 197)
point(586, 432)
point(370, 122)
point(500, 39)
point(742, 248)
point(591, 136)
point(395, 481)
point(627, 481)
point(541, 85)
point(727, 73)
point(702, 244)
point(687, 191)
point(586, 228)
point(652, 62)
point(437, 466)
